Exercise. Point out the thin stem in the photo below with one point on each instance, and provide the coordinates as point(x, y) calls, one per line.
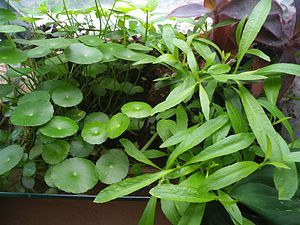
point(151, 140)
point(147, 26)
point(10, 40)
point(124, 30)
point(66, 10)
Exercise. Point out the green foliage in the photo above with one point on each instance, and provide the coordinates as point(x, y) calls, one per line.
point(88, 105)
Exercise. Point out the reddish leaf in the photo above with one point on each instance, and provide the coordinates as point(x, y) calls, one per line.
point(210, 4)
point(189, 10)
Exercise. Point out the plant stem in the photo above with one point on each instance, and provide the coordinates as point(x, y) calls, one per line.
point(10, 40)
point(66, 10)
point(147, 26)
point(124, 30)
point(151, 140)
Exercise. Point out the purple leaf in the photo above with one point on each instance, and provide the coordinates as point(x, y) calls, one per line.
point(189, 10)
point(297, 5)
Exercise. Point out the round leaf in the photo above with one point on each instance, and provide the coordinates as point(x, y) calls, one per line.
point(32, 114)
point(10, 55)
point(59, 127)
point(96, 117)
point(10, 157)
point(74, 175)
point(94, 133)
point(76, 114)
point(67, 96)
point(137, 109)
point(55, 152)
point(81, 54)
point(29, 169)
point(11, 29)
point(51, 85)
point(91, 40)
point(38, 52)
point(34, 97)
point(80, 148)
point(113, 166)
point(54, 43)
point(117, 125)
point(48, 179)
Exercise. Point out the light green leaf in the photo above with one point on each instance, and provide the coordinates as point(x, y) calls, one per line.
point(181, 118)
point(132, 151)
point(219, 69)
point(237, 120)
point(279, 69)
point(204, 102)
point(272, 87)
point(277, 113)
point(242, 76)
point(193, 214)
point(192, 62)
point(168, 34)
point(112, 166)
point(136, 109)
point(11, 29)
point(10, 157)
point(177, 95)
point(231, 207)
point(229, 175)
point(182, 45)
point(148, 216)
point(196, 137)
point(128, 186)
point(170, 210)
point(229, 145)
point(239, 30)
point(254, 24)
point(117, 125)
point(203, 49)
point(181, 194)
point(259, 53)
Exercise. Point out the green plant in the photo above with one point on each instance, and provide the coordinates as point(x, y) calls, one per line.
point(85, 110)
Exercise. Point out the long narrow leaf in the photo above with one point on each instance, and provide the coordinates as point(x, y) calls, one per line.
point(196, 137)
point(254, 24)
point(229, 145)
point(128, 186)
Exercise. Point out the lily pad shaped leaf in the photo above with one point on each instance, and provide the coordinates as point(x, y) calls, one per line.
point(38, 52)
point(136, 109)
point(34, 96)
point(91, 40)
point(113, 166)
point(81, 54)
point(34, 113)
point(67, 96)
point(75, 175)
point(59, 127)
point(54, 43)
point(117, 125)
point(11, 29)
point(76, 114)
point(80, 148)
point(10, 55)
point(55, 152)
point(10, 157)
point(96, 117)
point(94, 133)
